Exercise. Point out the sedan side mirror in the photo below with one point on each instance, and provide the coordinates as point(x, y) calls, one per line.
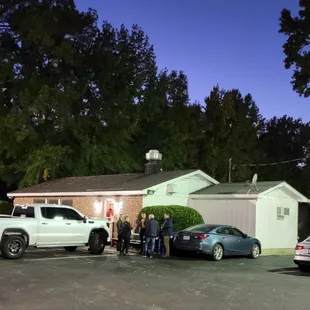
point(244, 236)
point(84, 219)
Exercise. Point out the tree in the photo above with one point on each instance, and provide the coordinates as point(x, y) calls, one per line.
point(69, 91)
point(168, 122)
point(41, 84)
point(296, 48)
point(122, 64)
point(231, 126)
point(286, 139)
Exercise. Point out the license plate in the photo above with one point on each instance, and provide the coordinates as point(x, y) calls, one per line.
point(186, 237)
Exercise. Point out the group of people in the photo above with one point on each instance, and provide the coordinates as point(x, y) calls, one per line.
point(149, 230)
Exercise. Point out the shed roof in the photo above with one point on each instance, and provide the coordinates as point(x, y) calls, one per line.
point(113, 182)
point(237, 188)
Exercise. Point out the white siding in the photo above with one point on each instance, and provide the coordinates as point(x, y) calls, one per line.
point(276, 233)
point(236, 212)
point(183, 187)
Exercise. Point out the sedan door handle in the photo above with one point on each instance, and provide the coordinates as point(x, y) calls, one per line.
point(68, 223)
point(223, 237)
point(44, 223)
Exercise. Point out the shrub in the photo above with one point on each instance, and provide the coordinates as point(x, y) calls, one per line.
point(182, 217)
point(6, 207)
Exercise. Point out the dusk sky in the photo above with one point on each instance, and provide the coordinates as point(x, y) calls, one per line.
point(233, 43)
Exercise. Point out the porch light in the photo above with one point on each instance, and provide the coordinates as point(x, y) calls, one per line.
point(118, 207)
point(98, 207)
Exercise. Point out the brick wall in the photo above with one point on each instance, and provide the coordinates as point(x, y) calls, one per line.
point(131, 205)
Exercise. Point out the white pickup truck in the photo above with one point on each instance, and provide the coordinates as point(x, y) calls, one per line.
point(48, 226)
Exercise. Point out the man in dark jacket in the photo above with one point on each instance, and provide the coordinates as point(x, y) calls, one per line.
point(126, 233)
point(167, 229)
point(119, 227)
point(151, 234)
point(141, 225)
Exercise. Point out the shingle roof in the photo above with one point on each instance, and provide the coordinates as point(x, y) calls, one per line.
point(237, 188)
point(113, 182)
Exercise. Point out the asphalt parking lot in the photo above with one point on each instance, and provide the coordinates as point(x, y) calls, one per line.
point(55, 279)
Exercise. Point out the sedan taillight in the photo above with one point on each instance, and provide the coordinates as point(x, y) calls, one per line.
point(201, 237)
point(299, 247)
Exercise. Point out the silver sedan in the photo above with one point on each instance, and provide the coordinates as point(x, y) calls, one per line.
point(302, 255)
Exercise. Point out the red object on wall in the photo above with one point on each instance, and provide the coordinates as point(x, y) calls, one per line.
point(110, 213)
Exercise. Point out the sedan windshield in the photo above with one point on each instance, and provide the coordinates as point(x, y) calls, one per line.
point(201, 228)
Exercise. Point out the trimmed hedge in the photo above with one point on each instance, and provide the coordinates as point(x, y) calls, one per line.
point(6, 207)
point(181, 216)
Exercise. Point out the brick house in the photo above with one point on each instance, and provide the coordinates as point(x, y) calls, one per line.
point(106, 196)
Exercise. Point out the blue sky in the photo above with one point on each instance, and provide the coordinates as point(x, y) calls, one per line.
point(231, 43)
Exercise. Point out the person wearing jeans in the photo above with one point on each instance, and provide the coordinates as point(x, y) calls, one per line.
point(151, 234)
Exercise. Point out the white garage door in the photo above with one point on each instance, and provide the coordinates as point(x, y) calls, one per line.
point(237, 212)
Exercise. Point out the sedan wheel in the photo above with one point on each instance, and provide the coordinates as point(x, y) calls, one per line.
point(255, 251)
point(218, 252)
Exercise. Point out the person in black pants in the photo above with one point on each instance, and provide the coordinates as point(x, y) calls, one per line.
point(119, 227)
point(126, 234)
point(141, 226)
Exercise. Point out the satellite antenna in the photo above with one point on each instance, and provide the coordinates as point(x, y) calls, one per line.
point(254, 182)
point(254, 179)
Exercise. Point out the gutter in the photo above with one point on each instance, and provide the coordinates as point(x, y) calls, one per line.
point(223, 196)
point(76, 194)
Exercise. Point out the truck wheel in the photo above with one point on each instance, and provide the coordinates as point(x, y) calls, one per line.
point(13, 247)
point(96, 244)
point(70, 248)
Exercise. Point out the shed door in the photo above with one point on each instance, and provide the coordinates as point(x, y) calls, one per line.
point(236, 212)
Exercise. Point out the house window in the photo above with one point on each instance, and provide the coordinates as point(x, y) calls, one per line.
point(67, 202)
point(53, 201)
point(282, 212)
point(39, 201)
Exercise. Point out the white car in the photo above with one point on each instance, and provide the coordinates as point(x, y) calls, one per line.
point(302, 255)
point(50, 226)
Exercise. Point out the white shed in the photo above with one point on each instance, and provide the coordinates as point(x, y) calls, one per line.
point(268, 211)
